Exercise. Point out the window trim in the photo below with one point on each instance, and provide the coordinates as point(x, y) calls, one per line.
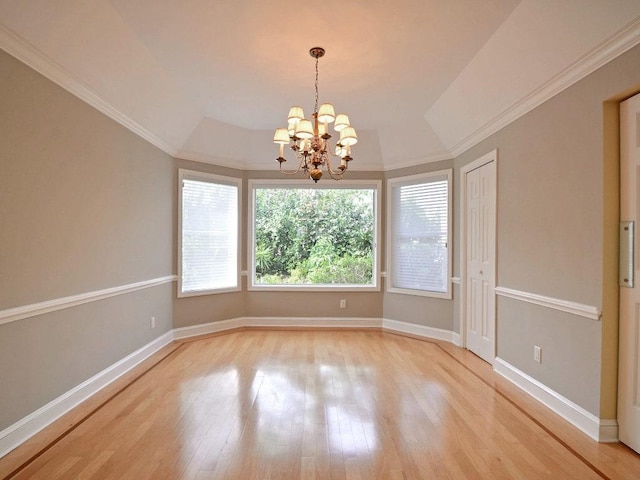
point(185, 174)
point(417, 179)
point(375, 185)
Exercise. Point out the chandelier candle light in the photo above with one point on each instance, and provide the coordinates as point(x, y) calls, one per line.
point(310, 141)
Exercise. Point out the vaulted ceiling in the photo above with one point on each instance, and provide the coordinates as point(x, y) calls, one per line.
point(422, 80)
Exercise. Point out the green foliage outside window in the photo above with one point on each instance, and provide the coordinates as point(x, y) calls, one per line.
point(314, 236)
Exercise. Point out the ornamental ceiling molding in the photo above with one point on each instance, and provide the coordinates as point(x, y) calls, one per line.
point(21, 49)
point(611, 48)
point(620, 42)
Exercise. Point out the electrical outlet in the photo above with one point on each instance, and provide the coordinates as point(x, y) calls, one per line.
point(343, 303)
point(537, 354)
point(153, 322)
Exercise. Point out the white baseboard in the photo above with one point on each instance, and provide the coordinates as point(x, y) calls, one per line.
point(601, 430)
point(420, 330)
point(275, 322)
point(25, 428)
point(318, 322)
point(312, 322)
point(207, 328)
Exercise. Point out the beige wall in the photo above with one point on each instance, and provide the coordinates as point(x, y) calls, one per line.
point(83, 207)
point(551, 236)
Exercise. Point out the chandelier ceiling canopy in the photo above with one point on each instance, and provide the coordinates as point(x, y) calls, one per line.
point(309, 139)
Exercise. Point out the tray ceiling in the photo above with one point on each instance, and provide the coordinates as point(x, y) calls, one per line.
point(421, 80)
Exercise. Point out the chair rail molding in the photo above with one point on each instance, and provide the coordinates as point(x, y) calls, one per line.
point(580, 309)
point(26, 311)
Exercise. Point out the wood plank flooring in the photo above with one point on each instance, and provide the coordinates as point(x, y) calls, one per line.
point(346, 405)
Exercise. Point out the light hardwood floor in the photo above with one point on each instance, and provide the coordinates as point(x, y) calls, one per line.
point(314, 405)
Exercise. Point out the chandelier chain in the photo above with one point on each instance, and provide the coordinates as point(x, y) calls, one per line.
point(315, 108)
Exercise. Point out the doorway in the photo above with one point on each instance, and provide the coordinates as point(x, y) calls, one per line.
point(478, 265)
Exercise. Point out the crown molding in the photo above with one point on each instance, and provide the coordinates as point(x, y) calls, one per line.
point(614, 46)
point(217, 161)
point(352, 168)
point(623, 40)
point(251, 166)
point(432, 158)
point(21, 49)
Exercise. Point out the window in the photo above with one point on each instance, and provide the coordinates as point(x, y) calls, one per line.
point(419, 229)
point(208, 220)
point(312, 236)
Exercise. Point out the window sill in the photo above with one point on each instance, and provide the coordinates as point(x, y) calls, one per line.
point(314, 288)
point(421, 293)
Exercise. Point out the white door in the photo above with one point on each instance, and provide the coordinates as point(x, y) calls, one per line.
point(629, 343)
point(480, 185)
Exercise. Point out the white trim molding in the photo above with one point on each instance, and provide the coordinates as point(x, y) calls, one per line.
point(455, 280)
point(587, 311)
point(19, 48)
point(306, 322)
point(422, 331)
point(24, 429)
point(432, 158)
point(319, 322)
point(26, 311)
point(621, 41)
point(207, 328)
point(614, 46)
point(601, 430)
point(276, 322)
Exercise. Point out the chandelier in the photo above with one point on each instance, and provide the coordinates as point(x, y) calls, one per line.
point(310, 140)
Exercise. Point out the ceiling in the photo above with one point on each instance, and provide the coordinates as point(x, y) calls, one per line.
point(421, 80)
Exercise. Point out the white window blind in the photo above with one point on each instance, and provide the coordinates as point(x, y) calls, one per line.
point(209, 236)
point(419, 234)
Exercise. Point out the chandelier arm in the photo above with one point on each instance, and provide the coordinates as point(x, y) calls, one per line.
point(335, 174)
point(290, 172)
point(301, 164)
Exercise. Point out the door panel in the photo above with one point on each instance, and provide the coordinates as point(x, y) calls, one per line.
point(629, 343)
point(480, 260)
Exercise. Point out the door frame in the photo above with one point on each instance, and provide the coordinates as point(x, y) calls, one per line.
point(477, 163)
